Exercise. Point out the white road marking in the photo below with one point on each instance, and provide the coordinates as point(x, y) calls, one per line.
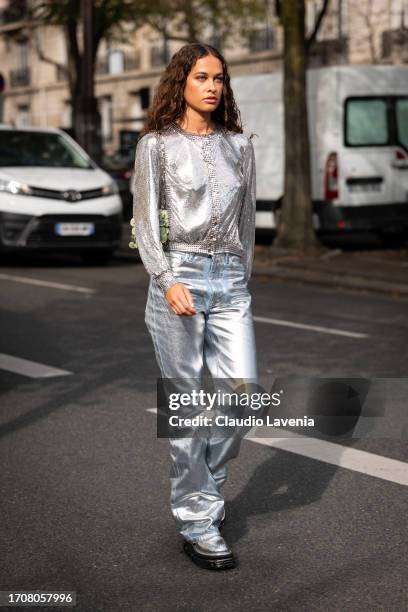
point(346, 457)
point(337, 454)
point(42, 283)
point(32, 369)
point(317, 328)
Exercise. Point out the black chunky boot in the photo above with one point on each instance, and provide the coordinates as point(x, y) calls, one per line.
point(212, 553)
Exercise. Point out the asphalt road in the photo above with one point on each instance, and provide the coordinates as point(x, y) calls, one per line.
point(84, 479)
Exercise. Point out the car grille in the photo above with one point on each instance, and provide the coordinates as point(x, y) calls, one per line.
point(69, 195)
point(107, 231)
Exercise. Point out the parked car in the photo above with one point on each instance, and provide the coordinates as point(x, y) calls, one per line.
point(53, 197)
point(358, 126)
point(120, 168)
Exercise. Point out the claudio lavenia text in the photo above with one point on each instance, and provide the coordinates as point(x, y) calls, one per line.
point(228, 421)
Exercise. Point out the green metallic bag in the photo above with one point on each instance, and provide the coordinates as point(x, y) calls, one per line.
point(163, 212)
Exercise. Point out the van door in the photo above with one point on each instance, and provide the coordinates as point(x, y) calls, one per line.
point(400, 160)
point(366, 161)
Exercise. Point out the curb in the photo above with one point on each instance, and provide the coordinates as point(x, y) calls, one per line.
point(127, 253)
point(293, 269)
point(333, 279)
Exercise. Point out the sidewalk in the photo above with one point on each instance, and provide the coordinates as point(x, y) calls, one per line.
point(379, 271)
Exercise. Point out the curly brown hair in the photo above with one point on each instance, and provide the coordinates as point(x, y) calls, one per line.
point(168, 102)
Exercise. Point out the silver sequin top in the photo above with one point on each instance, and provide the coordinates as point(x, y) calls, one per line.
point(210, 197)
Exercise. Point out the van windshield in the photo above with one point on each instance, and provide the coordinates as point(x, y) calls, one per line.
point(43, 149)
point(402, 121)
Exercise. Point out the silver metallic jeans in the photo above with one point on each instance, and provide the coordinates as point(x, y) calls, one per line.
point(222, 334)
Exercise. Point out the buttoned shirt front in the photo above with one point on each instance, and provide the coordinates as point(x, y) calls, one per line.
point(210, 195)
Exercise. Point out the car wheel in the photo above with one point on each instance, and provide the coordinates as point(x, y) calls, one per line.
point(97, 258)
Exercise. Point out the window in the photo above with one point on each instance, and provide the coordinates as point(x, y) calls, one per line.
point(401, 112)
point(366, 122)
point(67, 114)
point(106, 111)
point(313, 9)
point(261, 39)
point(399, 14)
point(158, 55)
point(136, 108)
point(376, 121)
point(116, 61)
point(45, 149)
point(23, 115)
point(22, 55)
point(343, 18)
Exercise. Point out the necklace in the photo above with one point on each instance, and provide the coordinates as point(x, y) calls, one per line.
point(195, 133)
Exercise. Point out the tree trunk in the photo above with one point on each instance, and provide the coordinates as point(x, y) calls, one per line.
point(86, 112)
point(295, 226)
point(86, 120)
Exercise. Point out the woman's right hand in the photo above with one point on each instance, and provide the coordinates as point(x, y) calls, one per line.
point(180, 299)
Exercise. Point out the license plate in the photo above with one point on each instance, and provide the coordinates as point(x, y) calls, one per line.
point(74, 229)
point(364, 188)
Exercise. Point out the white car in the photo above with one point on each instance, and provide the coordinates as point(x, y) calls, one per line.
point(358, 127)
point(53, 197)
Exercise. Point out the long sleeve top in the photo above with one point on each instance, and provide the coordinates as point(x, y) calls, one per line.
point(210, 195)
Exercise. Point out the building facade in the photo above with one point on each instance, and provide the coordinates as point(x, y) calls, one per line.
point(36, 89)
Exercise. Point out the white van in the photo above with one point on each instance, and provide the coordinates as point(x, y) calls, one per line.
point(358, 125)
point(53, 197)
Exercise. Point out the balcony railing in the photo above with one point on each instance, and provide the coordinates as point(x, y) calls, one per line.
point(395, 43)
point(61, 74)
point(261, 40)
point(329, 51)
point(102, 66)
point(130, 62)
point(13, 14)
point(158, 56)
point(20, 77)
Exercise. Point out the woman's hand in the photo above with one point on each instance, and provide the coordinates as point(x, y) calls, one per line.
point(180, 299)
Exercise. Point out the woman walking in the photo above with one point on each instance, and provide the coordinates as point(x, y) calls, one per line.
point(193, 154)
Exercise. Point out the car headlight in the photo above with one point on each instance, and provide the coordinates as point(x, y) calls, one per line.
point(14, 187)
point(110, 188)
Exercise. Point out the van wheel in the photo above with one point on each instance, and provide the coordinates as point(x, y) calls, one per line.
point(97, 258)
